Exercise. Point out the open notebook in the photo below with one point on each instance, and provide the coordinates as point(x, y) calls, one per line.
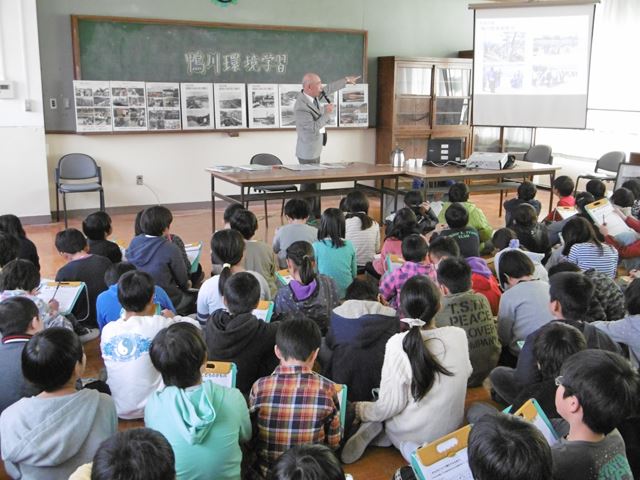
point(194, 251)
point(221, 373)
point(264, 310)
point(66, 293)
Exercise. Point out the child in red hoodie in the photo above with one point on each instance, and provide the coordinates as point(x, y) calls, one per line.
point(563, 188)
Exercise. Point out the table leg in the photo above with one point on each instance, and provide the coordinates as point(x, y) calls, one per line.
point(213, 204)
point(395, 194)
point(552, 175)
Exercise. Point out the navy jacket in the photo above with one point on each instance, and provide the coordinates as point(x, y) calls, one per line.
point(163, 261)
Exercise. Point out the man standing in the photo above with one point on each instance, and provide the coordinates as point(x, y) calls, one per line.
point(310, 124)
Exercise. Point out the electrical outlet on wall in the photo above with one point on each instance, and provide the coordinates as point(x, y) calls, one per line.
point(139, 180)
point(53, 103)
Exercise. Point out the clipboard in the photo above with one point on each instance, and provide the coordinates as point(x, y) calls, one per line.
point(283, 276)
point(394, 262)
point(264, 310)
point(601, 211)
point(67, 294)
point(341, 392)
point(194, 251)
point(566, 212)
point(220, 373)
point(444, 459)
point(533, 413)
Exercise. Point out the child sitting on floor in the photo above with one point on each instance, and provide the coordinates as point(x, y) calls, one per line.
point(627, 329)
point(356, 340)
point(19, 321)
point(97, 227)
point(569, 295)
point(633, 184)
point(532, 235)
point(258, 256)
point(505, 239)
point(293, 406)
point(136, 454)
point(425, 216)
point(465, 235)
point(308, 294)
point(107, 305)
point(221, 415)
point(459, 193)
point(462, 307)
point(524, 301)
point(562, 188)
point(305, 462)
point(482, 279)
point(125, 344)
point(597, 188)
point(84, 267)
point(526, 195)
point(360, 229)
point(151, 251)
point(597, 390)
point(404, 224)
point(227, 249)
point(11, 224)
point(53, 433)
point(234, 334)
point(414, 253)
point(425, 370)
point(296, 211)
point(335, 256)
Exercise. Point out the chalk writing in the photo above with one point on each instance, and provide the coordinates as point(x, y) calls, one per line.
point(200, 62)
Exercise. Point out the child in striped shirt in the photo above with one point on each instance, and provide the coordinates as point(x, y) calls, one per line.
point(361, 229)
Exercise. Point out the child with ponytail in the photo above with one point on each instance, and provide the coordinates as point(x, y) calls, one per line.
point(424, 379)
point(227, 249)
point(361, 229)
point(308, 294)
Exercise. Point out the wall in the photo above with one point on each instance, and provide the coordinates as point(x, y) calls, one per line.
point(173, 164)
point(23, 174)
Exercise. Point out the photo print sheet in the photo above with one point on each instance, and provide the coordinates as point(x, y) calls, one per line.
point(197, 106)
point(354, 105)
point(129, 106)
point(163, 103)
point(288, 93)
point(263, 105)
point(93, 106)
point(230, 105)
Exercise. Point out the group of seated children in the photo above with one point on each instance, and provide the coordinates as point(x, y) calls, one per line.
point(428, 320)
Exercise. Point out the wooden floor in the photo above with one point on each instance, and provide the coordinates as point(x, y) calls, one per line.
point(195, 225)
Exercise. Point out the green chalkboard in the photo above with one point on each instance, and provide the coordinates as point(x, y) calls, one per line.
point(134, 49)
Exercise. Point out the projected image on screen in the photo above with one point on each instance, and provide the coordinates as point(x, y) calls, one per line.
point(531, 66)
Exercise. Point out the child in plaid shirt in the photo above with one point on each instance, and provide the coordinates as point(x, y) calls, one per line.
point(414, 252)
point(293, 406)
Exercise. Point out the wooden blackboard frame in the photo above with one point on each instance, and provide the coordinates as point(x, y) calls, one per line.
point(77, 67)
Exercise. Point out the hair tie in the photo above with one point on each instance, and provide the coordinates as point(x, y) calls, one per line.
point(306, 257)
point(413, 322)
point(226, 265)
point(515, 243)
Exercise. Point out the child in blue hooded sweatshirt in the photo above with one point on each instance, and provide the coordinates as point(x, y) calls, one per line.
point(203, 422)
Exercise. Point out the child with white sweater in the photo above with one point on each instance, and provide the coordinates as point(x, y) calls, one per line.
point(424, 379)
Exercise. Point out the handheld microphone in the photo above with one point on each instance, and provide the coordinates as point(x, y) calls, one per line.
point(325, 97)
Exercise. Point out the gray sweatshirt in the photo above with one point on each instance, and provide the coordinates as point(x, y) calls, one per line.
point(48, 438)
point(524, 308)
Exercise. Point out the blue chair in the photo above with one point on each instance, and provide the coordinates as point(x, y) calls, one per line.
point(72, 169)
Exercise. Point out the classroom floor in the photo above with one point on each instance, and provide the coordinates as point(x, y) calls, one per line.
point(195, 225)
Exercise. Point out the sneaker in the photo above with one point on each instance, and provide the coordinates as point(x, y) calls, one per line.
point(357, 444)
point(87, 334)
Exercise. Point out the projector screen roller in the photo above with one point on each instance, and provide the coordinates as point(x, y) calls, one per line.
point(531, 66)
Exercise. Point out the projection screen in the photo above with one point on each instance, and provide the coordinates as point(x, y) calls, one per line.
point(531, 65)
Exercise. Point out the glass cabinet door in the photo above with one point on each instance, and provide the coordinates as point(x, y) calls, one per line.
point(486, 139)
point(413, 147)
point(413, 96)
point(452, 89)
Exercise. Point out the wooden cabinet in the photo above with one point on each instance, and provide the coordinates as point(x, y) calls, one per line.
point(419, 99)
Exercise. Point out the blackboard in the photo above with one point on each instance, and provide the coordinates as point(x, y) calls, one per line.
point(134, 49)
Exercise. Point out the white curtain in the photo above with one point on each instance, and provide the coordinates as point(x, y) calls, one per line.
point(615, 69)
